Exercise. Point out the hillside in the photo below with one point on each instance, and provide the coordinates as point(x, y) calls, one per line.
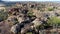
point(29, 17)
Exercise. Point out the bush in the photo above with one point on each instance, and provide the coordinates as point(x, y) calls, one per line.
point(3, 15)
point(53, 20)
point(29, 33)
point(30, 13)
point(50, 9)
point(15, 21)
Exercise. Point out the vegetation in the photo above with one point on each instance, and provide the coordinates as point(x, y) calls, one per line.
point(50, 9)
point(53, 20)
point(41, 8)
point(3, 15)
point(24, 15)
point(15, 21)
point(30, 13)
point(29, 33)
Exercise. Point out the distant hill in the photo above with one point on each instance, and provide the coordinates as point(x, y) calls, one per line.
point(11, 3)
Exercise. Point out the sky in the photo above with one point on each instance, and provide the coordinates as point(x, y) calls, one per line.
point(30, 0)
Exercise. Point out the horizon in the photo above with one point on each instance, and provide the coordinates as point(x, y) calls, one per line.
point(28, 0)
